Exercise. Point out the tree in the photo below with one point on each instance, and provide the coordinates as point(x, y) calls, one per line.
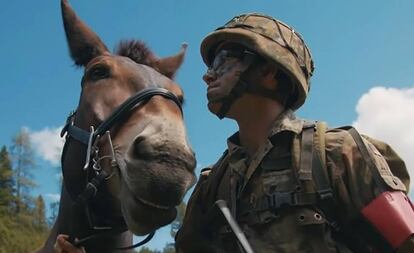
point(169, 248)
point(39, 214)
point(22, 156)
point(6, 179)
point(147, 250)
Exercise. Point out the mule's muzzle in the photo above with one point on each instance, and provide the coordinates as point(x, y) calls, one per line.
point(158, 171)
point(162, 180)
point(152, 187)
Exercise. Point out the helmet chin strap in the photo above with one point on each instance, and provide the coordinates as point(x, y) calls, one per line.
point(236, 92)
point(243, 86)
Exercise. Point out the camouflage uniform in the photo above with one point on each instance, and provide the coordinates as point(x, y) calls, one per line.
point(242, 181)
point(272, 194)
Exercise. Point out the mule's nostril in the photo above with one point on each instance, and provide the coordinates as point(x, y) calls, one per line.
point(140, 147)
point(139, 139)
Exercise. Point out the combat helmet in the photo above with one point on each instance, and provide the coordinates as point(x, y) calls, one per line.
point(273, 40)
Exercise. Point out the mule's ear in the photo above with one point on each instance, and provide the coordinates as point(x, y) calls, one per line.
point(168, 66)
point(84, 44)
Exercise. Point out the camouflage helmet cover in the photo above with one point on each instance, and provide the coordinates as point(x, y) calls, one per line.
point(273, 40)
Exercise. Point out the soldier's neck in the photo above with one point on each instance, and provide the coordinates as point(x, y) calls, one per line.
point(255, 123)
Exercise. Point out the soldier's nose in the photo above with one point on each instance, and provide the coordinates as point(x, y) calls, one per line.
point(209, 76)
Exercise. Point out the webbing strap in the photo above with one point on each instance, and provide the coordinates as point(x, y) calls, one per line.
point(321, 179)
point(311, 168)
point(367, 157)
point(306, 154)
point(346, 239)
point(248, 212)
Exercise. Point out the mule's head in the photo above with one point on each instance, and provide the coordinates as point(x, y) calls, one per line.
point(155, 162)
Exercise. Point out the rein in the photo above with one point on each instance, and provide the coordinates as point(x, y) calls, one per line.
point(92, 161)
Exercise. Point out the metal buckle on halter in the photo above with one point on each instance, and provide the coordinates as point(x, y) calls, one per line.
point(96, 166)
point(89, 149)
point(69, 121)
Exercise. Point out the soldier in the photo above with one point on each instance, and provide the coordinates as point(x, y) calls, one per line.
point(292, 185)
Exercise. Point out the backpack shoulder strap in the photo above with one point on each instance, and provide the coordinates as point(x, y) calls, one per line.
point(319, 141)
point(313, 166)
point(312, 141)
point(367, 157)
point(383, 177)
point(326, 201)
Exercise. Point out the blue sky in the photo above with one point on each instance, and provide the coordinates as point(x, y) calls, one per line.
point(363, 52)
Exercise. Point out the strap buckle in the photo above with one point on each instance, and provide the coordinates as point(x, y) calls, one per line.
point(325, 194)
point(279, 199)
point(69, 121)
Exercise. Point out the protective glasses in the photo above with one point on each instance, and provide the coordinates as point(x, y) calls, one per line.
point(223, 55)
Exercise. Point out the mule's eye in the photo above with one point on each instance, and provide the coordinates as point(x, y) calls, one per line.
point(98, 72)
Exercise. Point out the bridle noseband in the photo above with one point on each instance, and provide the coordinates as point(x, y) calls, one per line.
point(92, 160)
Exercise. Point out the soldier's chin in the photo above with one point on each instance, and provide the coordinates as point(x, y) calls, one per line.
point(214, 107)
point(143, 219)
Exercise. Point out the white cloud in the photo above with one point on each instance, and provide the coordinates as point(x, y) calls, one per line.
point(48, 144)
point(388, 114)
point(53, 197)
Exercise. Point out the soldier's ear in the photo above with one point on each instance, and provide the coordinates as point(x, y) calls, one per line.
point(268, 72)
point(268, 68)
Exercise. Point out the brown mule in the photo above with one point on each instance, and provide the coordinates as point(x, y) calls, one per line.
point(143, 163)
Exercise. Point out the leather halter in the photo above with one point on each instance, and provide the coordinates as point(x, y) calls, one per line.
point(89, 138)
point(141, 96)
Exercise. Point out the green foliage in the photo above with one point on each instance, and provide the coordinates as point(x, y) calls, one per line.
point(21, 233)
point(39, 214)
point(6, 179)
point(147, 250)
point(169, 248)
point(23, 226)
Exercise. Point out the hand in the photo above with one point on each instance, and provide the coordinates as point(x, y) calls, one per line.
point(62, 245)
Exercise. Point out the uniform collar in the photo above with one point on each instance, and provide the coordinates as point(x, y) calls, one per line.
point(240, 162)
point(287, 121)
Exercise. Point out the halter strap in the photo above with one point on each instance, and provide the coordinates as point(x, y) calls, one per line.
point(140, 97)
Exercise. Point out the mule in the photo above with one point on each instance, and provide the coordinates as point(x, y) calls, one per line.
point(126, 162)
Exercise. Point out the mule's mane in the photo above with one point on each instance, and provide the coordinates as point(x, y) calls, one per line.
point(136, 50)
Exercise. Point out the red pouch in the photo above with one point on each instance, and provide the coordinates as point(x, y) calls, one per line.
point(392, 214)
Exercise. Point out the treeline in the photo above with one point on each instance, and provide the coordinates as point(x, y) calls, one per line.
point(23, 222)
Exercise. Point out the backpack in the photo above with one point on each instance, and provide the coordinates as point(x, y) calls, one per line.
point(312, 151)
point(314, 134)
